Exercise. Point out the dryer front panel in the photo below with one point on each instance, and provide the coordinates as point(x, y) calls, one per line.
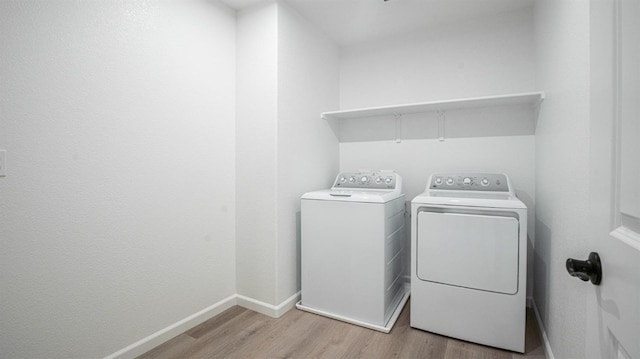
point(470, 250)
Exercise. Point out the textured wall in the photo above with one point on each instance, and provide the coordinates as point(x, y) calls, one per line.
point(489, 56)
point(307, 148)
point(117, 214)
point(256, 152)
point(562, 170)
point(481, 57)
point(287, 75)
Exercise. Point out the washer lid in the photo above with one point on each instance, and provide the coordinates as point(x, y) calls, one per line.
point(370, 196)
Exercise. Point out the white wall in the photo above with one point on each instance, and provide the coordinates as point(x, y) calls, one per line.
point(482, 57)
point(287, 75)
point(562, 170)
point(488, 56)
point(256, 149)
point(117, 213)
point(308, 80)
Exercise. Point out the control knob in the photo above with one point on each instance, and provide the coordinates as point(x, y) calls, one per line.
point(379, 180)
point(388, 180)
point(352, 179)
point(450, 181)
point(438, 180)
point(484, 182)
point(364, 179)
point(467, 181)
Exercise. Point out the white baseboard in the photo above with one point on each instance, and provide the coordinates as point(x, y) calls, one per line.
point(543, 333)
point(145, 344)
point(274, 311)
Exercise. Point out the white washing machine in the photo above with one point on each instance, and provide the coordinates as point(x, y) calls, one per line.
point(468, 260)
point(352, 250)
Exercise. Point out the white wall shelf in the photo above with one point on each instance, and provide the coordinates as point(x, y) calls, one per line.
point(532, 98)
point(470, 117)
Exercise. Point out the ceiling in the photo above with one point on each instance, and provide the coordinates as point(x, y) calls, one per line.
point(352, 21)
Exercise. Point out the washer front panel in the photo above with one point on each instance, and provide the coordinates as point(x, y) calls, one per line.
point(472, 250)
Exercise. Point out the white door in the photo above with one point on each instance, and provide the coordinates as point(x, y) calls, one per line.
point(613, 317)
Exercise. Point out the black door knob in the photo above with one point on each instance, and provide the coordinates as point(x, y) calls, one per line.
point(591, 269)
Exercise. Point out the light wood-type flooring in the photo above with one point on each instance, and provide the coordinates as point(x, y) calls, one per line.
point(242, 333)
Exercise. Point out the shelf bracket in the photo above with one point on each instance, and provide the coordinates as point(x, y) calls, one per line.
point(442, 116)
point(398, 127)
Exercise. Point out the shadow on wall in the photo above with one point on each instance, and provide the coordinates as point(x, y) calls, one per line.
point(298, 250)
point(407, 242)
point(531, 235)
point(531, 211)
point(541, 269)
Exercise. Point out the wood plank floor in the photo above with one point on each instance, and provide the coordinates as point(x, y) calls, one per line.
point(242, 333)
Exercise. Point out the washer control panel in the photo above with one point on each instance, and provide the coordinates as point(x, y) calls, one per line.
point(366, 180)
point(490, 182)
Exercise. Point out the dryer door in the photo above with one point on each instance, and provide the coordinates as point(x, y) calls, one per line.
point(476, 251)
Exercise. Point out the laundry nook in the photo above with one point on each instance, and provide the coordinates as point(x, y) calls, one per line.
point(319, 179)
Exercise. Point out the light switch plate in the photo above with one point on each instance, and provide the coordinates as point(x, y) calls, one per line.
point(3, 163)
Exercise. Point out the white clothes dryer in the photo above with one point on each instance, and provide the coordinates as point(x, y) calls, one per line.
point(352, 249)
point(468, 260)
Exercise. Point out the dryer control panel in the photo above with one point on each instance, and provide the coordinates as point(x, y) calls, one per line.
point(367, 180)
point(490, 182)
